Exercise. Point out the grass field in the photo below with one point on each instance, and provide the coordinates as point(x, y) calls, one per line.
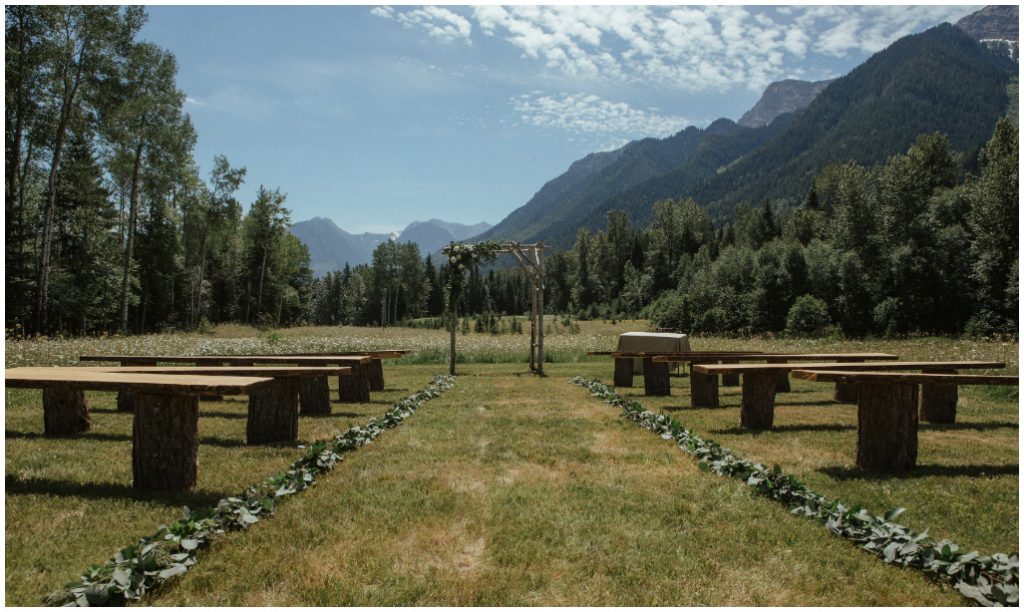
point(510, 489)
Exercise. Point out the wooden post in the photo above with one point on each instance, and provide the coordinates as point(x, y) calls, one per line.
point(757, 407)
point(454, 321)
point(355, 388)
point(64, 411)
point(623, 372)
point(887, 427)
point(656, 380)
point(533, 322)
point(314, 395)
point(938, 401)
point(126, 399)
point(730, 380)
point(703, 389)
point(376, 373)
point(165, 442)
point(274, 413)
point(539, 255)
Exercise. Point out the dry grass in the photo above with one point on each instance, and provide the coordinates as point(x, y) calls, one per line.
point(510, 490)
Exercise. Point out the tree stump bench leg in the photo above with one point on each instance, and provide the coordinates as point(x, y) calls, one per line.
point(314, 395)
point(757, 407)
point(211, 397)
point(782, 383)
point(730, 380)
point(846, 393)
point(354, 388)
point(126, 401)
point(887, 427)
point(703, 389)
point(274, 413)
point(165, 442)
point(623, 372)
point(64, 411)
point(938, 401)
point(656, 380)
point(376, 373)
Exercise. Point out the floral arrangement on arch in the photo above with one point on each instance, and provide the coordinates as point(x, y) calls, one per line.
point(462, 257)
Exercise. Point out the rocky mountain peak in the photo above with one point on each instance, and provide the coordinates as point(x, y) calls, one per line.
point(782, 97)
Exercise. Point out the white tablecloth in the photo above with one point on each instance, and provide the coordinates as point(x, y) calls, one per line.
point(638, 342)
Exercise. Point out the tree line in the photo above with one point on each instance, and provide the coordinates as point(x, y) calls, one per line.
point(109, 227)
point(924, 243)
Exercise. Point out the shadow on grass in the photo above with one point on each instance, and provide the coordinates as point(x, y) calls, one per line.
point(968, 426)
point(738, 431)
point(334, 413)
point(827, 402)
point(108, 490)
point(111, 437)
point(923, 471)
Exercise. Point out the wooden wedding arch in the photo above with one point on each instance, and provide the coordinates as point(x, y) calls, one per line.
point(531, 258)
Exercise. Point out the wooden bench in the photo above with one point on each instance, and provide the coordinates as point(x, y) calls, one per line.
point(704, 387)
point(273, 412)
point(656, 380)
point(887, 414)
point(314, 393)
point(757, 406)
point(165, 428)
point(376, 367)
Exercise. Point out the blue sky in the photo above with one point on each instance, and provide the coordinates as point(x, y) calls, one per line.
point(379, 116)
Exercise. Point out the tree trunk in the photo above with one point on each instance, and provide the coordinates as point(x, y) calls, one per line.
point(314, 395)
point(703, 389)
point(274, 413)
point(730, 380)
point(64, 411)
point(133, 214)
point(938, 401)
point(757, 408)
point(165, 442)
point(259, 291)
point(356, 387)
point(623, 372)
point(376, 373)
point(887, 427)
point(846, 393)
point(43, 283)
point(451, 350)
point(656, 380)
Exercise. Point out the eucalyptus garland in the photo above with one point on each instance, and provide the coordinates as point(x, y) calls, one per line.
point(153, 560)
point(988, 580)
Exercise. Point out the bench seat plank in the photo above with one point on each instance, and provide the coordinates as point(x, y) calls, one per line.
point(904, 378)
point(744, 368)
point(79, 378)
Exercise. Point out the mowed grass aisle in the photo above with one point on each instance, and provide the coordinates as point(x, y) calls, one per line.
point(513, 490)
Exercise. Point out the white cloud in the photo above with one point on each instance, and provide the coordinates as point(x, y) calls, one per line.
point(437, 22)
point(688, 48)
point(589, 114)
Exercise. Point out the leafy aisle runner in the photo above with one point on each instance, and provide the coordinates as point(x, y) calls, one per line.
point(141, 567)
point(988, 580)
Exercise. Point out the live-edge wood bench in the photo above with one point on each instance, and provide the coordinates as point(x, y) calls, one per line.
point(314, 393)
point(375, 369)
point(165, 428)
point(704, 387)
point(655, 372)
point(757, 405)
point(273, 414)
point(887, 411)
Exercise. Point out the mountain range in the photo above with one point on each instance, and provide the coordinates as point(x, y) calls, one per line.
point(952, 79)
point(942, 79)
point(331, 247)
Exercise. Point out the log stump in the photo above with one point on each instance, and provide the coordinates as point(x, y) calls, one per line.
point(730, 380)
point(355, 388)
point(887, 427)
point(757, 407)
point(938, 401)
point(376, 373)
point(274, 413)
point(782, 383)
point(623, 372)
point(165, 442)
point(314, 395)
point(126, 401)
point(64, 411)
point(656, 380)
point(703, 389)
point(846, 393)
